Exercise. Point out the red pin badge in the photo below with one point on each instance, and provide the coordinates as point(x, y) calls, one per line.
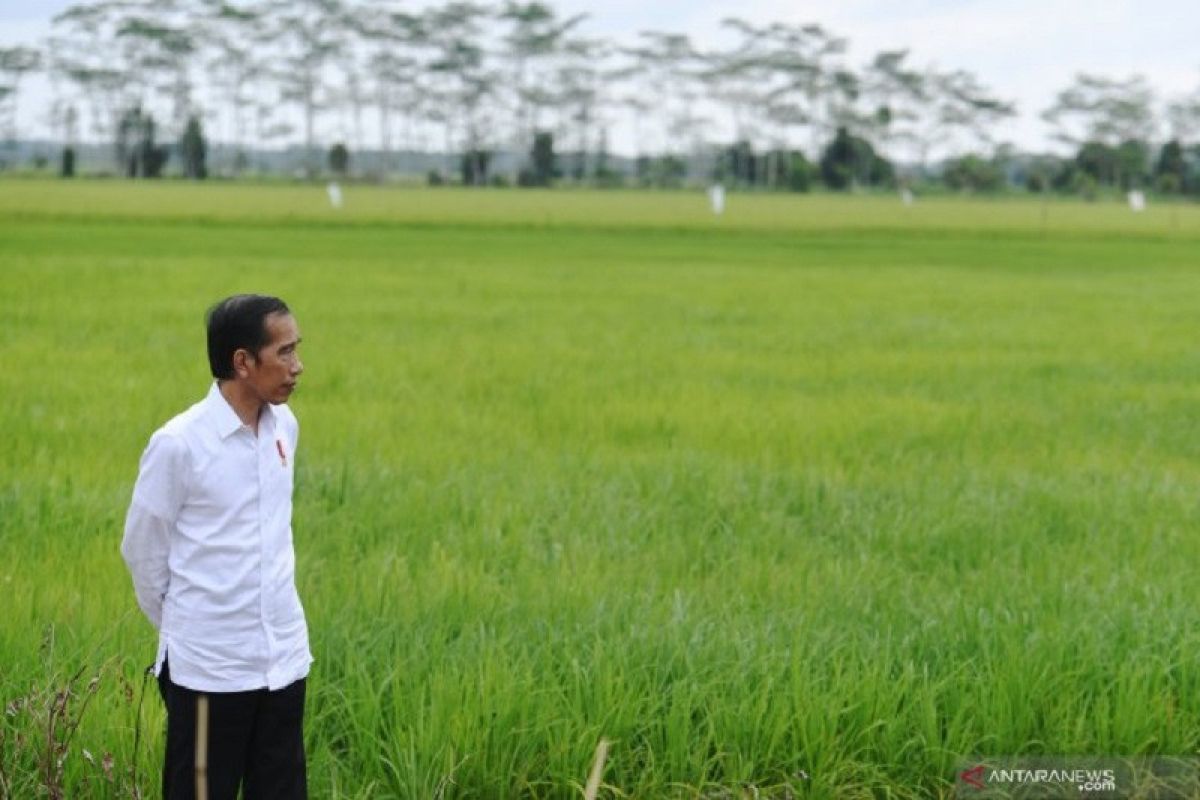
point(282, 455)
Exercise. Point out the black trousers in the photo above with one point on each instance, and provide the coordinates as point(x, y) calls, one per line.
point(220, 741)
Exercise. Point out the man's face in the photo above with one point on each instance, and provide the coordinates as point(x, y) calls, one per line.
point(273, 374)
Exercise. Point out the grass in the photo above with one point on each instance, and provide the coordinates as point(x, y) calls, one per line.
point(819, 498)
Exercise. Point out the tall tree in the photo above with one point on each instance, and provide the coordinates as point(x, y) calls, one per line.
point(193, 150)
point(960, 113)
point(533, 37)
point(158, 48)
point(580, 90)
point(787, 107)
point(464, 80)
point(307, 34)
point(15, 63)
point(819, 77)
point(849, 161)
point(739, 78)
point(121, 55)
point(896, 94)
point(769, 80)
point(1183, 117)
point(668, 66)
point(969, 108)
point(230, 36)
point(1105, 110)
point(135, 148)
point(394, 40)
point(81, 54)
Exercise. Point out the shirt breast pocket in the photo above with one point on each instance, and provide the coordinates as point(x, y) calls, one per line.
point(216, 485)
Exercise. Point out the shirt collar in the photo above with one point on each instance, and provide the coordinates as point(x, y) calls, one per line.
point(223, 416)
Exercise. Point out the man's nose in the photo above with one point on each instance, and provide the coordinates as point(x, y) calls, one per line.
point(298, 367)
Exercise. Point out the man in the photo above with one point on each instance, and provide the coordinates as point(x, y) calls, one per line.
point(208, 541)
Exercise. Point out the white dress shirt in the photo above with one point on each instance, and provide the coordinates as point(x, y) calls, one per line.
point(208, 541)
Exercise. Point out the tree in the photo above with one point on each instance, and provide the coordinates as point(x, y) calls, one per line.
point(1099, 162)
point(810, 78)
point(543, 162)
point(666, 64)
point(795, 171)
point(668, 171)
point(740, 79)
point(1183, 117)
point(535, 35)
point(1123, 166)
point(897, 95)
point(394, 39)
point(122, 54)
point(813, 88)
point(850, 161)
point(136, 152)
point(958, 107)
point(1133, 163)
point(972, 173)
point(579, 84)
point(396, 87)
point(192, 150)
point(475, 167)
point(1170, 173)
point(307, 34)
point(158, 48)
point(780, 78)
point(15, 63)
point(339, 159)
point(229, 36)
point(603, 175)
point(738, 164)
point(1105, 110)
point(462, 80)
point(81, 53)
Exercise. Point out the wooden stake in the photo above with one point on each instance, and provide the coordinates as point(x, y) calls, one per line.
point(593, 784)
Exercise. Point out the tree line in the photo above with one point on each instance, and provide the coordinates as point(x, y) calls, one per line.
point(472, 80)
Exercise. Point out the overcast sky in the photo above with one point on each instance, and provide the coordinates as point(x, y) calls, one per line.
point(1025, 50)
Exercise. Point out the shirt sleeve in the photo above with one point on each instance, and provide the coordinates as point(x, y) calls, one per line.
point(157, 497)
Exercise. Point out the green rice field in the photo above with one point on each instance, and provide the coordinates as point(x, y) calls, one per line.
point(818, 499)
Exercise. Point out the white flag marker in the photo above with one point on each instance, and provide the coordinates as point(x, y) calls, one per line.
point(335, 195)
point(716, 198)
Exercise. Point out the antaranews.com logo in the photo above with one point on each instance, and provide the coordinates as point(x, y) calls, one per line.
point(1152, 778)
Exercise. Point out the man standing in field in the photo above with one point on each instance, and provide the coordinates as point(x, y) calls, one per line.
point(208, 541)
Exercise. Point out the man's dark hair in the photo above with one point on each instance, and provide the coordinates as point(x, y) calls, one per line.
point(238, 323)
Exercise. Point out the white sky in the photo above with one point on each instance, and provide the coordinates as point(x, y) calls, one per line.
point(1024, 50)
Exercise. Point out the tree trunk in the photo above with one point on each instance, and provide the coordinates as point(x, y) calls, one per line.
point(309, 115)
point(385, 136)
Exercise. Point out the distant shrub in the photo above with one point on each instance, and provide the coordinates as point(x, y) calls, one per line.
point(850, 161)
point(1084, 185)
point(972, 173)
point(339, 159)
point(606, 178)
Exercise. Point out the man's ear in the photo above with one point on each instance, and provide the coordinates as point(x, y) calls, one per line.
point(241, 362)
